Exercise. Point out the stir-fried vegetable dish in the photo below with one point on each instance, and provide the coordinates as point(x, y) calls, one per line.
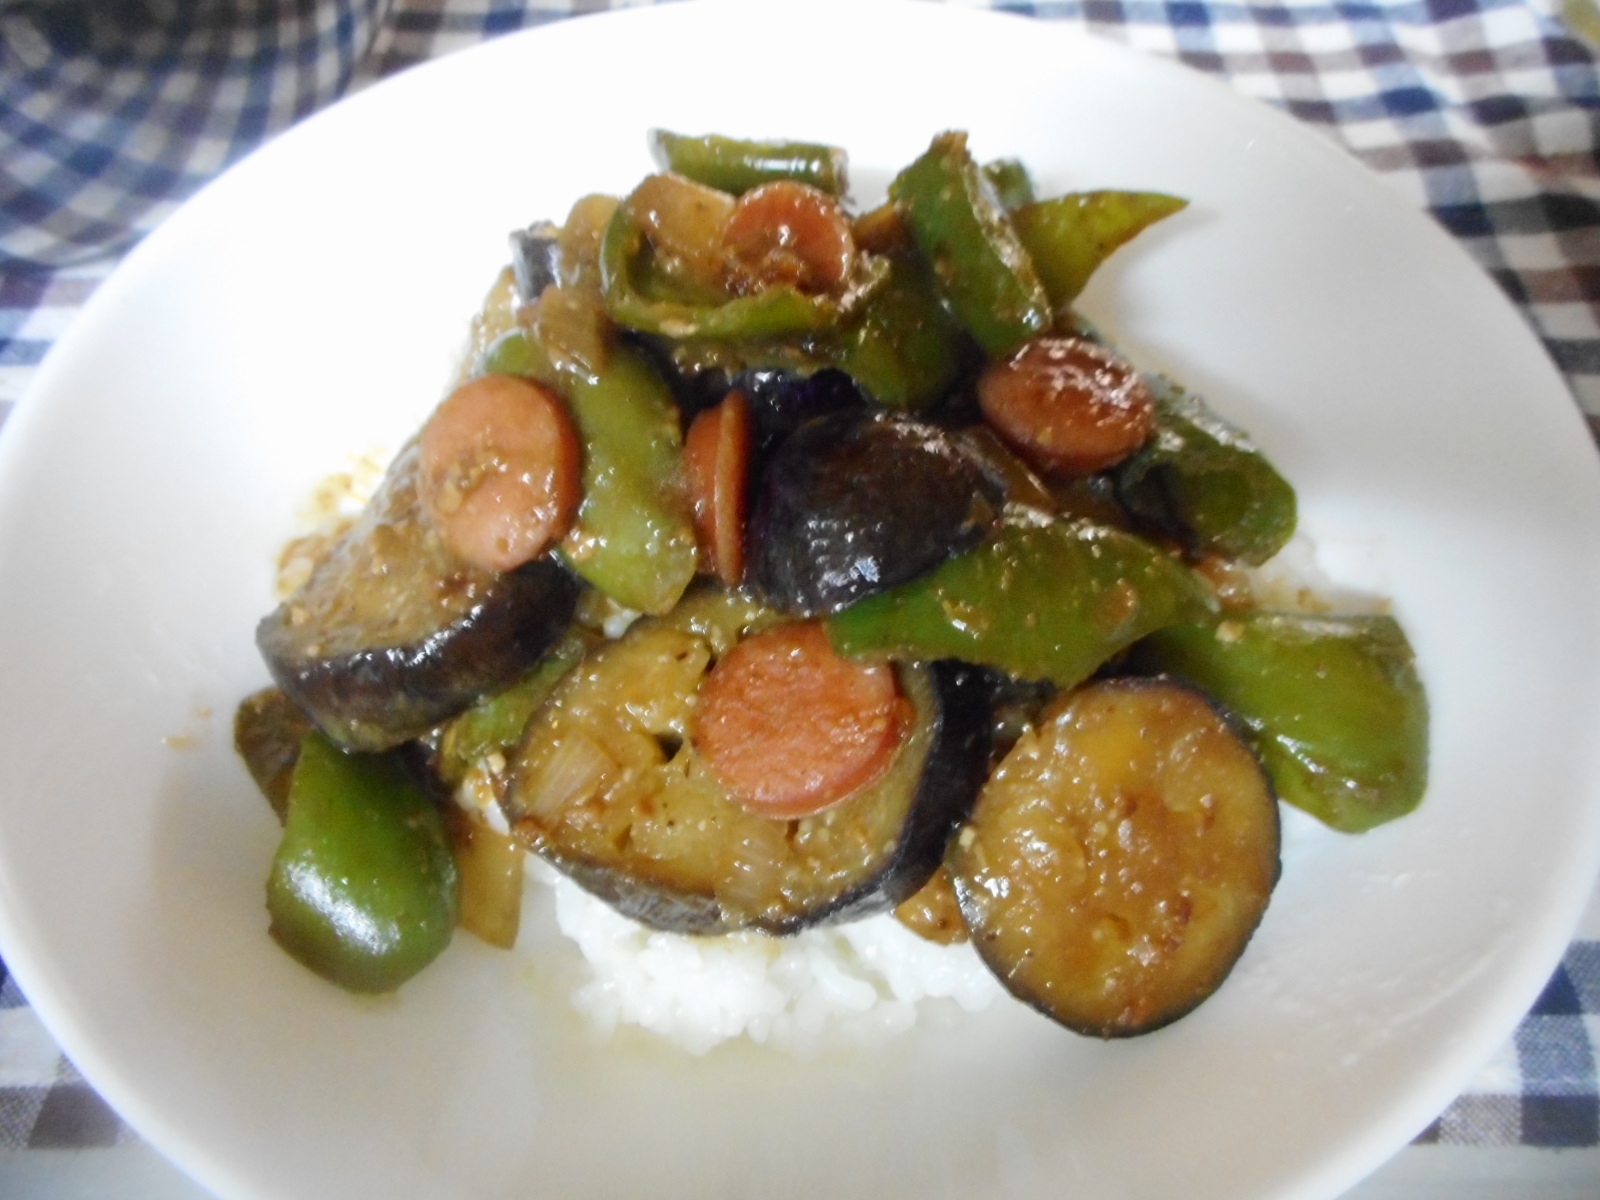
point(777, 563)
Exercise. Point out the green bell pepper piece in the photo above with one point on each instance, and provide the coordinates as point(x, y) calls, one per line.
point(736, 166)
point(633, 537)
point(906, 349)
point(780, 311)
point(496, 722)
point(1334, 706)
point(960, 227)
point(515, 353)
point(1012, 184)
point(1203, 482)
point(1041, 601)
point(268, 728)
point(363, 889)
point(1068, 237)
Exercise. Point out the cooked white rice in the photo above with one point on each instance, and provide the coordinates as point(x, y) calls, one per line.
point(849, 984)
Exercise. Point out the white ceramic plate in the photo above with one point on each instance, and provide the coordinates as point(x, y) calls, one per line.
point(309, 306)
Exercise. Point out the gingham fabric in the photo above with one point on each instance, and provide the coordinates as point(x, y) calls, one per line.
point(113, 113)
point(1486, 112)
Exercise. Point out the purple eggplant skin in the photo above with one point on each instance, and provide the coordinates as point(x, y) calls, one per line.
point(654, 905)
point(957, 766)
point(535, 259)
point(858, 502)
point(782, 401)
point(781, 398)
point(392, 633)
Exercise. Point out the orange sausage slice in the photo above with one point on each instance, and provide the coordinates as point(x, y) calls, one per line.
point(500, 471)
point(791, 728)
point(1067, 405)
point(788, 233)
point(716, 460)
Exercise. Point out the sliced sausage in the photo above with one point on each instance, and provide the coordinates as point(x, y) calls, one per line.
point(788, 233)
point(500, 471)
point(791, 728)
point(716, 460)
point(1068, 405)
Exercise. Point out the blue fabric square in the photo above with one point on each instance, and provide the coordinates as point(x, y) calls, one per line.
point(1560, 1121)
point(1560, 997)
point(1447, 10)
point(1582, 965)
point(1408, 101)
point(1185, 14)
point(503, 20)
point(1555, 1056)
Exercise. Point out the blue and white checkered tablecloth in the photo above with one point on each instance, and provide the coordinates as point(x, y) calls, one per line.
point(1486, 112)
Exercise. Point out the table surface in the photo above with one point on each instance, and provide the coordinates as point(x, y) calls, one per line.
point(1484, 112)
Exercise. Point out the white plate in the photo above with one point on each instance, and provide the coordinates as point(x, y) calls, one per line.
point(309, 306)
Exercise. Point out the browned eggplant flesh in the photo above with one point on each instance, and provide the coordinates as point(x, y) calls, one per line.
point(268, 728)
point(1120, 857)
point(609, 787)
point(933, 912)
point(392, 633)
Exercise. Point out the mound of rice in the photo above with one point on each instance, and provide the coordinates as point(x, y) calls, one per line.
point(843, 985)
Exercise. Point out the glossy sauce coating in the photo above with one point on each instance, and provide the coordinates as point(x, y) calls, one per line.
point(788, 233)
point(1119, 857)
point(1067, 404)
point(499, 471)
point(716, 463)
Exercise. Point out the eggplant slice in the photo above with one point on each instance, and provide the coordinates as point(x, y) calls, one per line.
point(392, 633)
point(608, 788)
point(535, 259)
point(781, 401)
point(1120, 857)
point(858, 502)
point(268, 729)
